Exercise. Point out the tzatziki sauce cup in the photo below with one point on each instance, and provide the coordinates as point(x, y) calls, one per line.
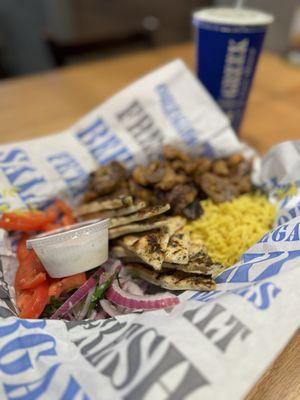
point(73, 249)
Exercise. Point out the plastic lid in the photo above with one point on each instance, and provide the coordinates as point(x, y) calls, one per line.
point(68, 233)
point(233, 16)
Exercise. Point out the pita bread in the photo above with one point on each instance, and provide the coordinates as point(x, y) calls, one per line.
point(111, 204)
point(175, 280)
point(146, 213)
point(177, 251)
point(137, 227)
point(172, 224)
point(197, 249)
point(193, 267)
point(116, 212)
point(149, 247)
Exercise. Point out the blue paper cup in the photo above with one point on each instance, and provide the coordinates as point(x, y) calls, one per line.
point(228, 44)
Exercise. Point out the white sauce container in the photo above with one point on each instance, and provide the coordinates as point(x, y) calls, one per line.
point(72, 249)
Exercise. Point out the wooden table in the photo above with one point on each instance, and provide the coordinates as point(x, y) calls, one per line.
point(39, 105)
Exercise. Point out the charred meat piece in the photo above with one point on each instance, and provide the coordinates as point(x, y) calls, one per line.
point(156, 171)
point(174, 153)
point(220, 168)
point(139, 174)
point(181, 196)
point(193, 210)
point(142, 193)
point(234, 160)
point(107, 178)
point(188, 167)
point(203, 165)
point(219, 189)
point(170, 179)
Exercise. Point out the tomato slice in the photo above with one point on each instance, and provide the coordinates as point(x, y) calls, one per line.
point(67, 220)
point(57, 287)
point(32, 306)
point(23, 297)
point(63, 207)
point(30, 272)
point(26, 221)
point(51, 227)
point(22, 251)
point(51, 213)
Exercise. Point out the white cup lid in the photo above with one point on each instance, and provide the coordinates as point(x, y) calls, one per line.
point(233, 16)
point(68, 233)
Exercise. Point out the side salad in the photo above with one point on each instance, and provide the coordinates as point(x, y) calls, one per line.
point(105, 291)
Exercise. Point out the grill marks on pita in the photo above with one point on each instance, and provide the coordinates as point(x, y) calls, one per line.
point(145, 213)
point(150, 247)
point(173, 280)
point(177, 251)
point(119, 212)
point(104, 205)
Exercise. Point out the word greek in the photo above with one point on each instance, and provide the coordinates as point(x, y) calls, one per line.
point(233, 69)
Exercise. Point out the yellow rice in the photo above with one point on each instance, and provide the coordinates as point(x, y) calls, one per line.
point(229, 229)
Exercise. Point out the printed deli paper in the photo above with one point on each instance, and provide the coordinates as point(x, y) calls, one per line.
point(212, 345)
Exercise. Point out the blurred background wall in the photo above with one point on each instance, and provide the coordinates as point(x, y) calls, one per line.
point(37, 35)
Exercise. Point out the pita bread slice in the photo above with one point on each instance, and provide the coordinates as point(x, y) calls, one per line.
point(175, 223)
point(175, 280)
point(150, 247)
point(197, 249)
point(111, 204)
point(193, 267)
point(177, 251)
point(172, 223)
point(146, 213)
point(115, 213)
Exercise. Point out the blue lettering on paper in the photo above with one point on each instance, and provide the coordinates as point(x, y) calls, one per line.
point(260, 295)
point(258, 267)
point(18, 169)
point(74, 176)
point(284, 233)
point(22, 343)
point(289, 214)
point(176, 117)
point(103, 144)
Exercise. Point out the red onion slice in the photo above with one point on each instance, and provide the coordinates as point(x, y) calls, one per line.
point(80, 293)
point(109, 308)
point(122, 298)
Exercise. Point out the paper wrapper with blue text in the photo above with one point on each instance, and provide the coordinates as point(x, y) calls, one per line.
point(212, 345)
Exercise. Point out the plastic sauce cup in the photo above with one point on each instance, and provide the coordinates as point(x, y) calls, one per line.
point(228, 44)
point(72, 249)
